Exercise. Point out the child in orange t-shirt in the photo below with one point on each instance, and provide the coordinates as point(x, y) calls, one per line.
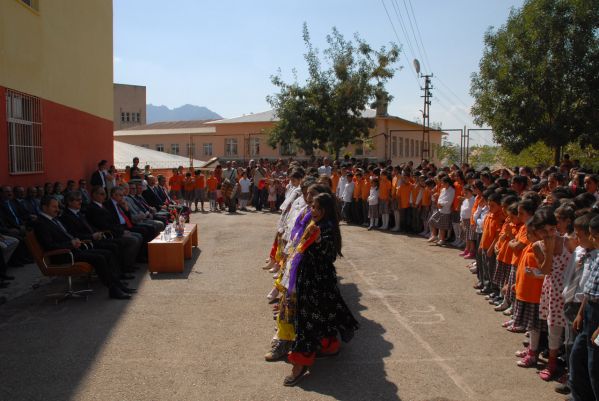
point(189, 186)
point(174, 185)
point(404, 190)
point(200, 189)
point(365, 192)
point(394, 206)
point(415, 202)
point(510, 235)
point(491, 229)
point(425, 206)
point(212, 183)
point(357, 197)
point(503, 253)
point(384, 197)
point(529, 284)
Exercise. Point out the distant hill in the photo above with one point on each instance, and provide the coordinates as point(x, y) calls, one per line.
point(186, 112)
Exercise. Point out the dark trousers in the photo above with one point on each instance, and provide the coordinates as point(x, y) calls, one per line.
point(258, 198)
point(584, 359)
point(479, 259)
point(129, 248)
point(113, 247)
point(404, 224)
point(357, 211)
point(346, 211)
point(100, 259)
point(487, 266)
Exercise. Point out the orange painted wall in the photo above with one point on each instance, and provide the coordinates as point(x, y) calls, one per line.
point(73, 143)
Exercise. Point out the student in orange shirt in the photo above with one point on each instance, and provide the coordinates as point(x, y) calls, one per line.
point(458, 184)
point(393, 205)
point(404, 190)
point(529, 283)
point(384, 197)
point(491, 228)
point(503, 254)
point(200, 190)
point(415, 202)
point(212, 184)
point(365, 192)
point(428, 185)
point(357, 197)
point(174, 185)
point(189, 186)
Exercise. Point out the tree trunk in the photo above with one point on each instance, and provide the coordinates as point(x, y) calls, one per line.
point(557, 155)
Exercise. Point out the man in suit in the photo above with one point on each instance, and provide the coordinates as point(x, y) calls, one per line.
point(99, 177)
point(115, 205)
point(13, 223)
point(151, 194)
point(101, 219)
point(141, 211)
point(85, 196)
point(52, 234)
point(76, 224)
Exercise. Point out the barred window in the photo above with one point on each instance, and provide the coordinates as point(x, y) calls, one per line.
point(230, 147)
point(394, 145)
point(287, 149)
point(160, 147)
point(24, 120)
point(175, 148)
point(207, 149)
point(254, 146)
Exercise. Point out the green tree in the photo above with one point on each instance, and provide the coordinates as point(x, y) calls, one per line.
point(327, 111)
point(539, 76)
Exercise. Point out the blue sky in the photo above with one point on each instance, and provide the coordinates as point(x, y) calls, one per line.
point(221, 54)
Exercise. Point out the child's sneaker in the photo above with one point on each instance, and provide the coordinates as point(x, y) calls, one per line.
point(463, 253)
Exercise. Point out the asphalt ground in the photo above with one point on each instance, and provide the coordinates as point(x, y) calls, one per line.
point(201, 335)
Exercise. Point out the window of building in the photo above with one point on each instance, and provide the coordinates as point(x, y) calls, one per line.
point(394, 146)
point(191, 149)
point(417, 148)
point(287, 149)
point(127, 117)
point(175, 148)
point(207, 149)
point(254, 146)
point(160, 147)
point(230, 147)
point(359, 148)
point(412, 154)
point(122, 117)
point(400, 147)
point(23, 113)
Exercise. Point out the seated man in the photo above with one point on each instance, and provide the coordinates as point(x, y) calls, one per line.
point(139, 215)
point(8, 245)
point(77, 225)
point(119, 216)
point(157, 214)
point(31, 203)
point(52, 234)
point(101, 219)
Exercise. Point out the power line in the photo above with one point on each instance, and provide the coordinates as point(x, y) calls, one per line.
point(399, 41)
point(419, 35)
point(420, 52)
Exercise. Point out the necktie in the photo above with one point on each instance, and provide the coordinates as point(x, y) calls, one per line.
point(124, 216)
point(84, 221)
point(12, 211)
point(64, 230)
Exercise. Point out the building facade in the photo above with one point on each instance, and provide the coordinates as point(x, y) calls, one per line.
point(55, 89)
point(129, 106)
point(244, 138)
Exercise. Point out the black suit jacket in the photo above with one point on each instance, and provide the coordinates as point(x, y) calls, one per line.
point(19, 211)
point(152, 199)
point(96, 180)
point(77, 226)
point(50, 236)
point(102, 219)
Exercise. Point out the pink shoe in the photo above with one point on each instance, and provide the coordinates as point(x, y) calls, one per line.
point(529, 361)
point(464, 253)
point(470, 256)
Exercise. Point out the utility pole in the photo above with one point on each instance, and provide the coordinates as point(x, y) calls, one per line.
point(426, 136)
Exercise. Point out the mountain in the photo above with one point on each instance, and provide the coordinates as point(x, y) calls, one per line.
point(186, 112)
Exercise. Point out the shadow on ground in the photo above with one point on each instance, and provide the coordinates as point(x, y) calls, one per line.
point(358, 372)
point(187, 269)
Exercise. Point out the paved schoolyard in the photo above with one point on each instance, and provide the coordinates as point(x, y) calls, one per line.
point(424, 334)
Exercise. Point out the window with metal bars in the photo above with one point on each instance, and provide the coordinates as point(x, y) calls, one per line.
point(24, 121)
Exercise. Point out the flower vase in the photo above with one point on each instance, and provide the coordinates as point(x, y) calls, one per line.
point(179, 229)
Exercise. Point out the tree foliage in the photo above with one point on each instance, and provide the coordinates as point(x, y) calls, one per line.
point(326, 112)
point(539, 76)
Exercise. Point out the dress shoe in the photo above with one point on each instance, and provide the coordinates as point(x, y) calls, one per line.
point(127, 290)
point(117, 293)
point(125, 276)
point(5, 277)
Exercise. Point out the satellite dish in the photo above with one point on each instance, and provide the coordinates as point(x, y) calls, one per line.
point(417, 66)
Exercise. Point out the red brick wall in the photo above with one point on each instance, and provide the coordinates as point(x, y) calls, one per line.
point(73, 143)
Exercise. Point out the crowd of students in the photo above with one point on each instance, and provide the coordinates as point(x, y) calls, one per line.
point(530, 236)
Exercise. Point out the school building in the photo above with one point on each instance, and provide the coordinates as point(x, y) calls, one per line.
point(56, 89)
point(245, 137)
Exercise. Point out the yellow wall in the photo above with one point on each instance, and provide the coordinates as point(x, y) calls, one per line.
point(62, 53)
